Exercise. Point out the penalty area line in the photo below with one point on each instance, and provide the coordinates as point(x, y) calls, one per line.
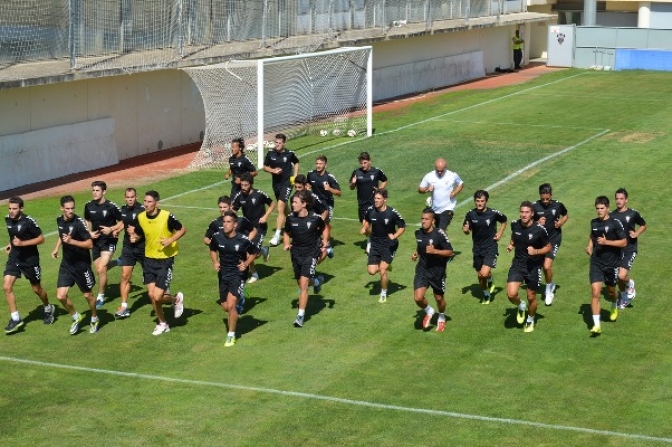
point(351, 402)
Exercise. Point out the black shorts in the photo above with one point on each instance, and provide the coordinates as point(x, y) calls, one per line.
point(31, 270)
point(629, 254)
point(531, 277)
point(425, 279)
point(158, 272)
point(304, 266)
point(486, 258)
point(282, 191)
point(361, 211)
point(442, 220)
point(555, 246)
point(258, 240)
point(103, 244)
point(81, 275)
point(233, 285)
point(330, 213)
point(131, 255)
point(382, 252)
point(606, 275)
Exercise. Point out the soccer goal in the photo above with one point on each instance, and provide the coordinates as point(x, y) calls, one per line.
point(323, 94)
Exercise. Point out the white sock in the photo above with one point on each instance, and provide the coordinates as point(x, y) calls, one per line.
point(522, 306)
point(124, 305)
point(383, 292)
point(596, 320)
point(302, 312)
point(278, 233)
point(429, 310)
point(101, 297)
point(15, 316)
point(442, 316)
point(530, 319)
point(231, 334)
point(94, 319)
point(75, 317)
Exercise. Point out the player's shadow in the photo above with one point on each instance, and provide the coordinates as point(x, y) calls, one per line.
point(392, 288)
point(586, 312)
point(184, 319)
point(250, 303)
point(510, 314)
point(477, 293)
point(316, 304)
point(336, 243)
point(361, 244)
point(265, 270)
point(246, 324)
point(141, 299)
point(420, 316)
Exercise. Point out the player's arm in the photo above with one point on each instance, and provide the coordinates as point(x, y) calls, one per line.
point(398, 233)
point(589, 247)
point(457, 190)
point(353, 180)
point(271, 207)
point(560, 222)
point(19, 243)
point(178, 230)
point(639, 220)
point(54, 252)
point(228, 174)
point(500, 233)
point(214, 257)
point(365, 227)
point(539, 251)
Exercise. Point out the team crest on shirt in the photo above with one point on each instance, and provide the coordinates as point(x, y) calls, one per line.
point(606, 229)
point(308, 224)
point(284, 159)
point(254, 201)
point(372, 177)
point(239, 163)
point(70, 228)
point(18, 228)
point(431, 241)
point(236, 247)
point(553, 212)
point(134, 216)
point(487, 222)
point(627, 219)
point(529, 236)
point(104, 213)
point(387, 221)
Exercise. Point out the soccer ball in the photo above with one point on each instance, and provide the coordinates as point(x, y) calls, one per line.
point(324, 133)
point(352, 132)
point(428, 202)
point(336, 132)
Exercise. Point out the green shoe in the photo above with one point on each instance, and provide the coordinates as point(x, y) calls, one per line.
point(74, 327)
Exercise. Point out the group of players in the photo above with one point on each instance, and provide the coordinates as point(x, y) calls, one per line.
point(303, 228)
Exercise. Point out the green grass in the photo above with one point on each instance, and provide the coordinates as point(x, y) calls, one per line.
point(398, 385)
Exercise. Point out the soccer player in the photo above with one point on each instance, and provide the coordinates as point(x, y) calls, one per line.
point(481, 222)
point(231, 254)
point(133, 248)
point(162, 231)
point(605, 243)
point(318, 206)
point(552, 215)
point(444, 186)
point(75, 268)
point(23, 258)
point(283, 165)
point(367, 179)
point(308, 233)
point(254, 203)
point(325, 186)
point(531, 243)
point(433, 251)
point(385, 225)
point(634, 225)
point(243, 225)
point(104, 219)
point(238, 163)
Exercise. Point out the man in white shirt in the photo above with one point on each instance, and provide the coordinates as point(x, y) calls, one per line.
point(444, 186)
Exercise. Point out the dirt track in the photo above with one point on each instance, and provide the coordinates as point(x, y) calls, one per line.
point(171, 162)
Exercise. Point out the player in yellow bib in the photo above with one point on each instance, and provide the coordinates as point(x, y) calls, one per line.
point(162, 231)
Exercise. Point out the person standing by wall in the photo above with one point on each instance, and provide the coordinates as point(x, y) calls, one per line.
point(517, 50)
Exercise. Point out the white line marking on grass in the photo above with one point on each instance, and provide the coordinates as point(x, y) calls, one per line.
point(354, 140)
point(358, 403)
point(552, 126)
point(535, 163)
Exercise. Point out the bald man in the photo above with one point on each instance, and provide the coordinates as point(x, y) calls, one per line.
point(444, 185)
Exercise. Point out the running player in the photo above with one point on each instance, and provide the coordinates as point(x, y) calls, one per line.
point(385, 225)
point(104, 220)
point(634, 225)
point(231, 254)
point(75, 268)
point(433, 252)
point(605, 244)
point(552, 215)
point(283, 165)
point(23, 258)
point(531, 243)
point(238, 163)
point(306, 239)
point(481, 222)
point(366, 179)
point(325, 186)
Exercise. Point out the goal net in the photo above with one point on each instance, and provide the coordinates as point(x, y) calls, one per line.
point(322, 94)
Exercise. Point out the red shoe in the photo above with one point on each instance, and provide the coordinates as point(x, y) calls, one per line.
point(440, 326)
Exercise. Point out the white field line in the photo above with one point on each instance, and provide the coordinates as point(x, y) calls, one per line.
point(533, 164)
point(350, 402)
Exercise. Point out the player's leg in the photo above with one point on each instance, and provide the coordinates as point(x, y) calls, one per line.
point(100, 264)
point(15, 321)
point(441, 307)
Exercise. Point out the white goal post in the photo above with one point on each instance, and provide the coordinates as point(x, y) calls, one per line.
point(327, 94)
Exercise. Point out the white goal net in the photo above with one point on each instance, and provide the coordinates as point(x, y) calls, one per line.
point(323, 94)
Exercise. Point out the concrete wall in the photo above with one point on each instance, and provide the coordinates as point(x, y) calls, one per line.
point(152, 111)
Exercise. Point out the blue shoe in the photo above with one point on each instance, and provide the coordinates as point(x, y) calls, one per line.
point(330, 252)
point(240, 307)
point(99, 303)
